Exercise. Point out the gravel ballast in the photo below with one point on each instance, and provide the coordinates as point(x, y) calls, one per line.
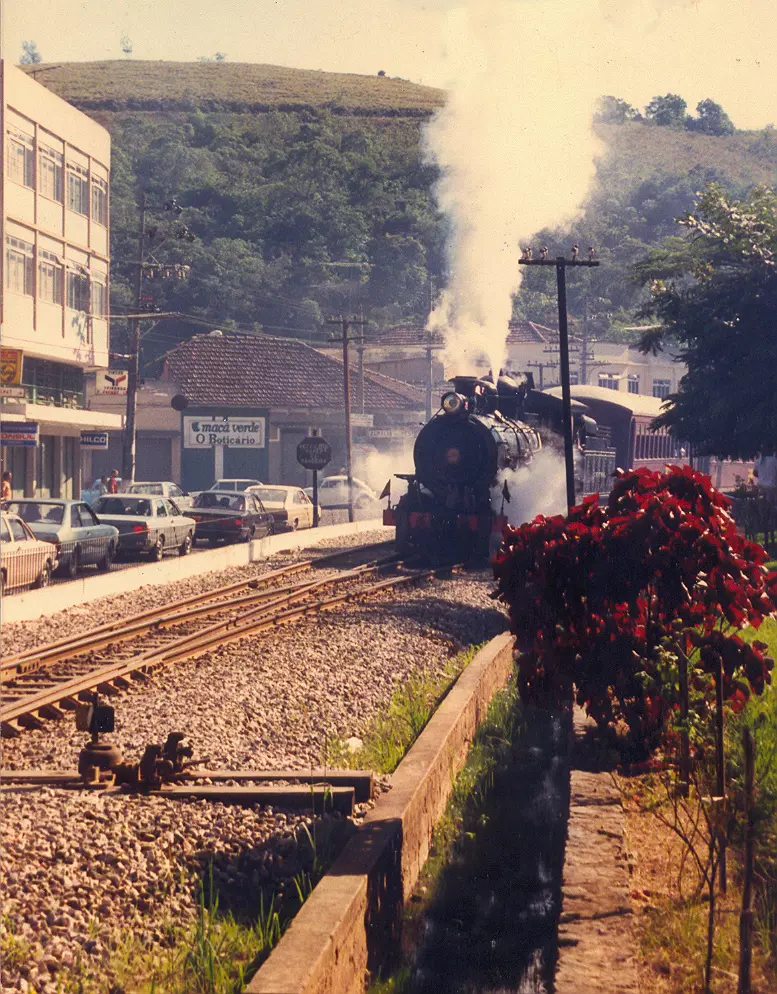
point(270, 701)
point(22, 635)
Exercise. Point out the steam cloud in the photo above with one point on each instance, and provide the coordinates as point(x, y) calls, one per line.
point(515, 145)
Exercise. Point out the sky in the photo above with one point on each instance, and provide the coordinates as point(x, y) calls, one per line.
point(719, 49)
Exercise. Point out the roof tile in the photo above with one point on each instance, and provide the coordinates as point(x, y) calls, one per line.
point(257, 371)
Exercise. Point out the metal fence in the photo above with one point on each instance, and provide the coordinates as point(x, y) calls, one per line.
point(598, 468)
point(755, 513)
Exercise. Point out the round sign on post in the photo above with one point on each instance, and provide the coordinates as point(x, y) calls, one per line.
point(314, 452)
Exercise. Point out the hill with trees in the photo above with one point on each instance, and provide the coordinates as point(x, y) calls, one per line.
point(308, 193)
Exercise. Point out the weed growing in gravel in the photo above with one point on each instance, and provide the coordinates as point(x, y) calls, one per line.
point(390, 734)
point(14, 950)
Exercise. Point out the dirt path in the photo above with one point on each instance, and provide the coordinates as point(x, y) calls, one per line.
point(596, 939)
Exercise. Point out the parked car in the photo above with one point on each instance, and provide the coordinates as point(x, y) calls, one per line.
point(230, 516)
point(290, 507)
point(333, 492)
point(182, 498)
point(234, 485)
point(24, 559)
point(90, 494)
point(147, 524)
point(81, 539)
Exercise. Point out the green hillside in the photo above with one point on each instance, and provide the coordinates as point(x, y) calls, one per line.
point(232, 86)
point(308, 194)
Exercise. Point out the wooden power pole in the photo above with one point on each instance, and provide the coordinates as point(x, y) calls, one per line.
point(345, 327)
point(563, 334)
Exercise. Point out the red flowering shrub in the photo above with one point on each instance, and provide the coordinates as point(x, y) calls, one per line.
point(594, 596)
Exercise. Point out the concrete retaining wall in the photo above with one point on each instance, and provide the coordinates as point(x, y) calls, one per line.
point(350, 924)
point(32, 604)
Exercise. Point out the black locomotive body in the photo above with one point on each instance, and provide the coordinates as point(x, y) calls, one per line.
point(452, 508)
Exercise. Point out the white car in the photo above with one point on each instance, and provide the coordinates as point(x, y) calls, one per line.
point(161, 489)
point(333, 492)
point(290, 507)
point(239, 485)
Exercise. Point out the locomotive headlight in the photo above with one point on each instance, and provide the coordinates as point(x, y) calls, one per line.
point(452, 403)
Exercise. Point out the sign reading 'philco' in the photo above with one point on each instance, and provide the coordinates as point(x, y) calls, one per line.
point(314, 452)
point(204, 433)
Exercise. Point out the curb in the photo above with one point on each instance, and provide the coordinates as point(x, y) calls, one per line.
point(33, 604)
point(350, 924)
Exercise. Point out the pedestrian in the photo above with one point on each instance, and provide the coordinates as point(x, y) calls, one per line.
point(7, 489)
point(103, 486)
point(113, 483)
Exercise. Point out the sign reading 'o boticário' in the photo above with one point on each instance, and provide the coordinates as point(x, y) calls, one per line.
point(205, 432)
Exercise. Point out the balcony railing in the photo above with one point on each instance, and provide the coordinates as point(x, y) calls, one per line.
point(49, 397)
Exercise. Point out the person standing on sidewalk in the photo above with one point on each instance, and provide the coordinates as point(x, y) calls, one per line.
point(7, 490)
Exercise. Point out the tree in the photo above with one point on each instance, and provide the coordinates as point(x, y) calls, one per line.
point(715, 292)
point(30, 54)
point(667, 111)
point(613, 110)
point(712, 119)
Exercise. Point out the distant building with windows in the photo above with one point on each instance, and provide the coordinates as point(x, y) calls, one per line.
point(55, 270)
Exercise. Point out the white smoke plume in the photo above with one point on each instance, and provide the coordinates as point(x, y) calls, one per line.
point(515, 145)
point(539, 488)
point(377, 468)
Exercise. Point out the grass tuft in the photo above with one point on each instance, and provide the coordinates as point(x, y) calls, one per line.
point(390, 735)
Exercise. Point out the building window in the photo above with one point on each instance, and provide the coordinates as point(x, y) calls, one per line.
point(662, 388)
point(50, 277)
point(633, 383)
point(50, 173)
point(77, 290)
point(100, 201)
point(77, 189)
point(99, 299)
point(18, 265)
point(53, 383)
point(608, 380)
point(20, 161)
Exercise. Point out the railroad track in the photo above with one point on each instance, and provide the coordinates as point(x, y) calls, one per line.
point(44, 683)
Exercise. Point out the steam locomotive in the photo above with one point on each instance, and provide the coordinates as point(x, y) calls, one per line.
point(454, 508)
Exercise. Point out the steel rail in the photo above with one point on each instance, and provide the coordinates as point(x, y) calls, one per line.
point(48, 702)
point(31, 660)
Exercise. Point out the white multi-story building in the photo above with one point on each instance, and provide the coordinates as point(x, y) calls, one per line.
point(55, 270)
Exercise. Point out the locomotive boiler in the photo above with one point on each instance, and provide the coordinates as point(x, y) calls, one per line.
point(453, 508)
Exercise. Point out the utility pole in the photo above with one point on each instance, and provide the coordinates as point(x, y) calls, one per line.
point(566, 397)
point(130, 430)
point(345, 325)
point(541, 367)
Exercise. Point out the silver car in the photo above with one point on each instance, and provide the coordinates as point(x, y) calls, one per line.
point(81, 539)
point(147, 524)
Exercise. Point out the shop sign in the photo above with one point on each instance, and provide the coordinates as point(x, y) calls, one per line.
point(19, 433)
point(234, 433)
point(409, 432)
point(11, 367)
point(94, 439)
point(18, 392)
point(362, 420)
point(112, 382)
